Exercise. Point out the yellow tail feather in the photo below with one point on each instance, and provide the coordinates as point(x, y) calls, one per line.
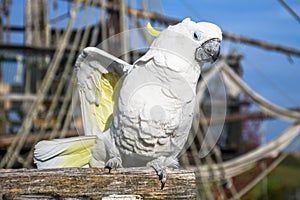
point(77, 155)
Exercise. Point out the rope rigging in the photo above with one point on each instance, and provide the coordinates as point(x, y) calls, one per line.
point(211, 168)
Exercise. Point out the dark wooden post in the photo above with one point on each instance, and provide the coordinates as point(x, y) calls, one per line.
point(3, 120)
point(36, 34)
point(36, 29)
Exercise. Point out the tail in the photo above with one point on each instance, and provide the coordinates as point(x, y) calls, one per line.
point(66, 152)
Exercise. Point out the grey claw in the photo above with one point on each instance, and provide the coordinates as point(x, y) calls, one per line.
point(160, 164)
point(113, 163)
point(162, 184)
point(160, 176)
point(163, 178)
point(109, 169)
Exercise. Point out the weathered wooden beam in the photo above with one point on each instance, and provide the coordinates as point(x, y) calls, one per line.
point(7, 140)
point(261, 44)
point(94, 183)
point(239, 117)
point(30, 49)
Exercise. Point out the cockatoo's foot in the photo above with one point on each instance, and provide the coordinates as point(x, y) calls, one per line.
point(113, 163)
point(160, 165)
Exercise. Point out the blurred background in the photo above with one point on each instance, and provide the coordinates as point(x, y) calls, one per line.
point(41, 39)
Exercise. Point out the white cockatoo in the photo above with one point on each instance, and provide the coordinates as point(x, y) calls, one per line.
point(140, 114)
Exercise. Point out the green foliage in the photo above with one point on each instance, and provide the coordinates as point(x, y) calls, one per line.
point(281, 183)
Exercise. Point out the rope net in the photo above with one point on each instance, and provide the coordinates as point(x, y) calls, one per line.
point(216, 172)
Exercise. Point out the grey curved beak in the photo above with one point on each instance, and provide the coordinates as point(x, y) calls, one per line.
point(208, 51)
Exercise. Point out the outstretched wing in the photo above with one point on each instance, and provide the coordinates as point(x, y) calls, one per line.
point(99, 78)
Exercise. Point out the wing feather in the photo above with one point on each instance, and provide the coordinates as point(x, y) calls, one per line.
point(98, 74)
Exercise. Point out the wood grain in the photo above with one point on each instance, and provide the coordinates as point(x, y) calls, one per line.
point(94, 183)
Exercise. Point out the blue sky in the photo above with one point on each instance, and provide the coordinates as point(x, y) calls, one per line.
point(270, 73)
point(274, 75)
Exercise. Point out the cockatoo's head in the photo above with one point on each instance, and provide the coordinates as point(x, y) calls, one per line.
point(200, 41)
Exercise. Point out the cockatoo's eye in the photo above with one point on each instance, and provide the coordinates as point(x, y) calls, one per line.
point(197, 35)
